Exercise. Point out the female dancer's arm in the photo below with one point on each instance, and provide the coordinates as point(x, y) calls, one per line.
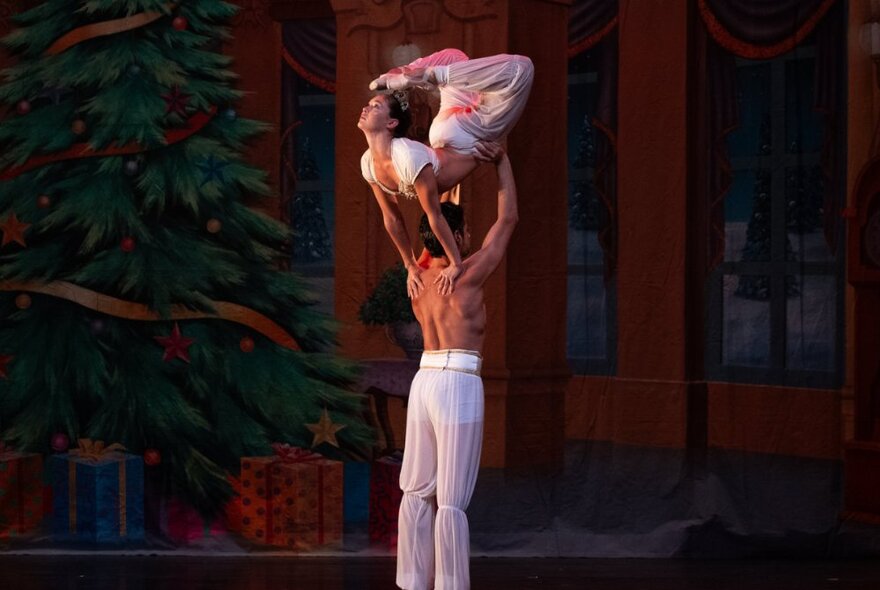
point(426, 188)
point(396, 229)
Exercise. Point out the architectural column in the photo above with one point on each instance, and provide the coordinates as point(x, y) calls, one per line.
point(525, 370)
point(256, 51)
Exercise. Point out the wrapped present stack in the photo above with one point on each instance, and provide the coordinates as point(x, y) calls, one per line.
point(292, 499)
point(356, 497)
point(21, 492)
point(385, 498)
point(171, 518)
point(184, 525)
point(98, 494)
point(232, 520)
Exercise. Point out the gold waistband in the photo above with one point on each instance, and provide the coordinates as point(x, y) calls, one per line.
point(448, 350)
point(466, 371)
point(439, 360)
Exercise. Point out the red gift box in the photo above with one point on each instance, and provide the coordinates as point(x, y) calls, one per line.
point(170, 517)
point(263, 497)
point(21, 492)
point(385, 498)
point(316, 516)
point(291, 499)
point(184, 525)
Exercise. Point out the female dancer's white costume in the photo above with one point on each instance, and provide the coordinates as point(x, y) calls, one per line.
point(480, 99)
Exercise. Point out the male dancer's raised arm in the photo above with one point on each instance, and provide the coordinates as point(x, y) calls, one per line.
point(483, 263)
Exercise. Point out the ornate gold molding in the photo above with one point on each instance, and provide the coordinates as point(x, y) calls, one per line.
point(252, 13)
point(471, 10)
point(418, 16)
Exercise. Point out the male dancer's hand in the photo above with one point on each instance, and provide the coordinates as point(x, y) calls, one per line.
point(488, 151)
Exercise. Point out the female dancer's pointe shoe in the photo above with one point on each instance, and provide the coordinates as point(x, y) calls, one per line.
point(405, 77)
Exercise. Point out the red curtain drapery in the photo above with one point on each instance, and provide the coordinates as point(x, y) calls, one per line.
point(761, 29)
point(764, 29)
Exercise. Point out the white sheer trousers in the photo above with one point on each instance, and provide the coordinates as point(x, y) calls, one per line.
point(496, 88)
point(444, 432)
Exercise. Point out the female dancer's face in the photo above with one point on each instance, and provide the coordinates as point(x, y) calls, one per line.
point(376, 115)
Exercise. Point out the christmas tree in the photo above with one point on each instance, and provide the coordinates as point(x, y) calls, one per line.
point(805, 193)
point(311, 238)
point(759, 231)
point(584, 207)
point(141, 300)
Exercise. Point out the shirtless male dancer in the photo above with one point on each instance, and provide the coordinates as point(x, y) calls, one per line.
point(444, 424)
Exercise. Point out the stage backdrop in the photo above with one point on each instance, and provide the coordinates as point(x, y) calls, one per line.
point(183, 364)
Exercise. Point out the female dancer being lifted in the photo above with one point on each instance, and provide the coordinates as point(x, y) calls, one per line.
point(480, 101)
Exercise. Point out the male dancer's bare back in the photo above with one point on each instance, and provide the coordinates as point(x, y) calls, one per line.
point(458, 321)
point(455, 321)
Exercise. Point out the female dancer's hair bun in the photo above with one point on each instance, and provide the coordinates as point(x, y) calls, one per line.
point(402, 98)
point(421, 111)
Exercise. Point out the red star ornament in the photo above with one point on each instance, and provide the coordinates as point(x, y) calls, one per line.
point(175, 101)
point(13, 230)
point(175, 345)
point(5, 359)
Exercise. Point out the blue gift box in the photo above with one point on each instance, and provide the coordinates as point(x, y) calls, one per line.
point(98, 501)
point(356, 494)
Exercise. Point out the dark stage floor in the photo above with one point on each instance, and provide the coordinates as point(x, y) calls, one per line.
point(358, 573)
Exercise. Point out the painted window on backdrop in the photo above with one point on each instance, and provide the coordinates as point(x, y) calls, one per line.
point(591, 317)
point(310, 168)
point(775, 303)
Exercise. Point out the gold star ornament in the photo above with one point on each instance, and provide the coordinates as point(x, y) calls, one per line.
point(325, 430)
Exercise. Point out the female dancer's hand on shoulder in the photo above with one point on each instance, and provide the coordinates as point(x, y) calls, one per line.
point(445, 281)
point(414, 283)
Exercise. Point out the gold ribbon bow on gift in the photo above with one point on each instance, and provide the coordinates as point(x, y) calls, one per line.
point(289, 454)
point(95, 450)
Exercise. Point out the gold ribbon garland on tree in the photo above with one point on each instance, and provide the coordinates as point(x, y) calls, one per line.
point(105, 28)
point(84, 150)
point(138, 311)
point(104, 303)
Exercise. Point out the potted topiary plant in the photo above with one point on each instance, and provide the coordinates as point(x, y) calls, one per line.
point(389, 306)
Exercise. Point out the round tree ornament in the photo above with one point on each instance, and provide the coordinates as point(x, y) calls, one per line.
point(23, 301)
point(152, 457)
point(60, 442)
